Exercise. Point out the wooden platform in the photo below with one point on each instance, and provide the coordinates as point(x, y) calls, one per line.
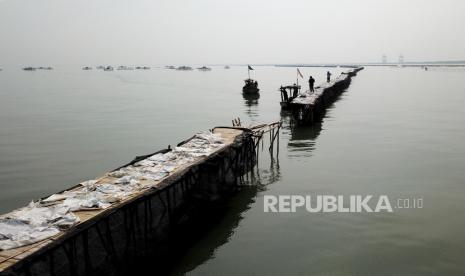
point(309, 107)
point(9, 258)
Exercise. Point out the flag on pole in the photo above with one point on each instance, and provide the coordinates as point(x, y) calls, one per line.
point(300, 74)
point(250, 68)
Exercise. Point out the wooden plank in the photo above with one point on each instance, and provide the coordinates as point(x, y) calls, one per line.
point(33, 249)
point(4, 263)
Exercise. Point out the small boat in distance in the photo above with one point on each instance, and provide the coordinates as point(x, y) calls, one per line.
point(184, 68)
point(226, 67)
point(101, 67)
point(29, 68)
point(170, 67)
point(122, 67)
point(108, 68)
point(87, 68)
point(204, 68)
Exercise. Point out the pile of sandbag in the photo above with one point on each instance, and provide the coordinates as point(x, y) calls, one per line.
point(34, 223)
point(45, 218)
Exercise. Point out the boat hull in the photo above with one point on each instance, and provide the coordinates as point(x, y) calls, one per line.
point(250, 90)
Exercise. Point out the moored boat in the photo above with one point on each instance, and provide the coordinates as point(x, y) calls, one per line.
point(251, 86)
point(289, 93)
point(184, 68)
point(204, 68)
point(123, 67)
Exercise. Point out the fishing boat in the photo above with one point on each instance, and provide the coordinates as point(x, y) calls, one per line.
point(289, 93)
point(204, 68)
point(29, 68)
point(122, 67)
point(226, 67)
point(184, 68)
point(170, 67)
point(87, 68)
point(251, 86)
point(108, 68)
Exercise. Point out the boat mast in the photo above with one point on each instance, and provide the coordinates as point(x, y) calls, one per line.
point(297, 73)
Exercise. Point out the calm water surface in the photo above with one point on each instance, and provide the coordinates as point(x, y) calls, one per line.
point(396, 132)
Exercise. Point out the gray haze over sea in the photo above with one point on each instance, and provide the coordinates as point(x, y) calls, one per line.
point(395, 131)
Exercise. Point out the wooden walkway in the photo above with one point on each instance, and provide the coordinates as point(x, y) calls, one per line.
point(308, 107)
point(52, 256)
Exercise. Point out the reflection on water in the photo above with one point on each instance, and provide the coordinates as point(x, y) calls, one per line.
point(212, 225)
point(301, 138)
point(262, 176)
point(251, 103)
point(251, 99)
point(209, 228)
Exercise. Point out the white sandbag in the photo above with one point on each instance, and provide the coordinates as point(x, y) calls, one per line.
point(15, 233)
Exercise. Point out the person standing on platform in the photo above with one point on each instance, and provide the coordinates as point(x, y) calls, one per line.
point(311, 82)
point(328, 76)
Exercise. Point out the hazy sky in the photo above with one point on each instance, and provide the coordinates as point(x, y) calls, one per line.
point(43, 32)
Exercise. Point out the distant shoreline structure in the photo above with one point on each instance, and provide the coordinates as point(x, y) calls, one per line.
point(452, 64)
point(460, 63)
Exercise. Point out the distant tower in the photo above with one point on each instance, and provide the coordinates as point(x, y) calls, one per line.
point(401, 59)
point(384, 59)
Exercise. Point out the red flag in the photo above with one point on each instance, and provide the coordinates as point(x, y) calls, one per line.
point(300, 74)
